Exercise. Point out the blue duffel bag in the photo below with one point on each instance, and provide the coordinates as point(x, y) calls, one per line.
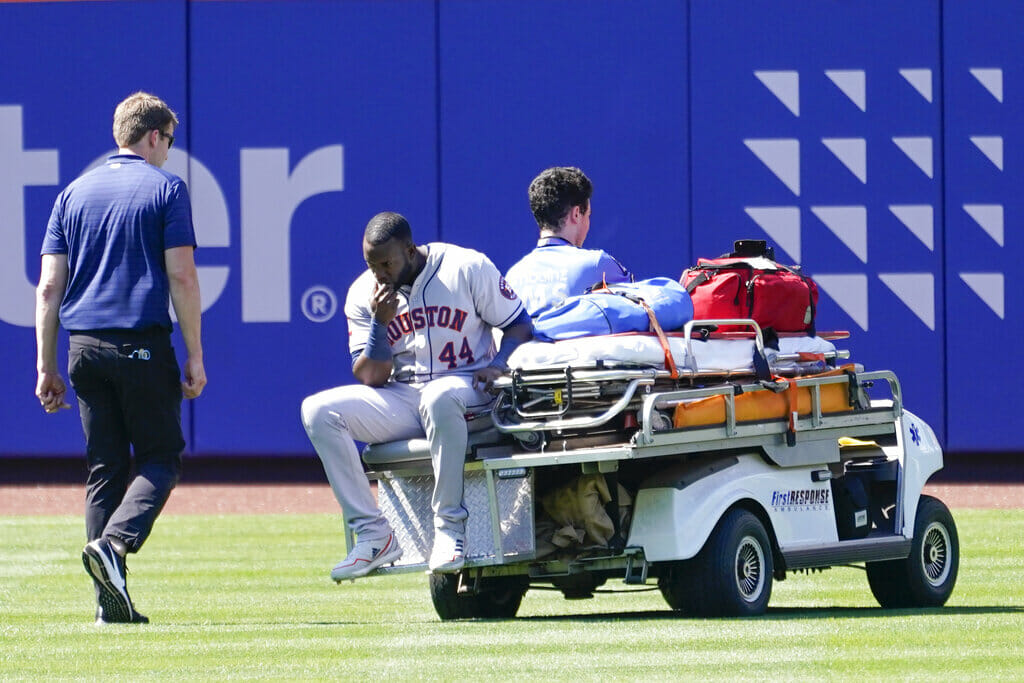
point(617, 308)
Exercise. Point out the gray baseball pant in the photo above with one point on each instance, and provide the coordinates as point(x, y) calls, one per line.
point(336, 418)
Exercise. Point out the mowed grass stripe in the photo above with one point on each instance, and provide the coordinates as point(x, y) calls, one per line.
point(242, 597)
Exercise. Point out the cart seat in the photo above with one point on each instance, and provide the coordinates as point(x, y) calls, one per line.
point(412, 452)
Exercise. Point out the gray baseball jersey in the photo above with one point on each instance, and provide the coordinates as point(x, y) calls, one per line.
point(444, 320)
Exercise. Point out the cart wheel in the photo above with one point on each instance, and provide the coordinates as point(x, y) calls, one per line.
point(499, 597)
point(730, 576)
point(926, 578)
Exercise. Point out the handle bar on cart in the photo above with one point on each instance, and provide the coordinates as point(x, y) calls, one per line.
point(584, 422)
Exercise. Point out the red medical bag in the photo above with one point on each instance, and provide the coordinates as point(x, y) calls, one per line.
point(746, 284)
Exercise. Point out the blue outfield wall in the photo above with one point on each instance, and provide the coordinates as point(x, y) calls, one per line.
point(63, 72)
point(864, 139)
point(795, 113)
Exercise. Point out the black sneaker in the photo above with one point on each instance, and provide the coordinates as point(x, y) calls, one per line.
point(107, 570)
point(102, 620)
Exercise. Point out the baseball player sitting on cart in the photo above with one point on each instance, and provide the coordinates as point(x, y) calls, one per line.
point(420, 323)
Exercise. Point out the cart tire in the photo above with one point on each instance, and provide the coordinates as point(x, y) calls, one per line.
point(926, 578)
point(730, 576)
point(499, 597)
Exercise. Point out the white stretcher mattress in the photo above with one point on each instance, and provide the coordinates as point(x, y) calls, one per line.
point(710, 356)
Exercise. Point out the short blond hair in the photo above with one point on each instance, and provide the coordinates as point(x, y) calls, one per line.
point(138, 114)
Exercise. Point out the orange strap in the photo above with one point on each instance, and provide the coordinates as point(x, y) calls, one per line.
point(793, 405)
point(670, 362)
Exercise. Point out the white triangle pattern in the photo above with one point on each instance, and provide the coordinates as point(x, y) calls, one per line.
point(782, 223)
point(992, 80)
point(990, 288)
point(919, 219)
point(921, 80)
point(989, 217)
point(991, 146)
point(853, 84)
point(850, 292)
point(849, 224)
point(852, 152)
point(785, 85)
point(782, 157)
point(917, 291)
point(919, 149)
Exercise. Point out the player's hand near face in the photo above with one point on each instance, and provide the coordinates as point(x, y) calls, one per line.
point(370, 368)
point(384, 303)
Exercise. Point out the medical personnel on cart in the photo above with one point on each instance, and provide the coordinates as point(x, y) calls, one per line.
point(558, 267)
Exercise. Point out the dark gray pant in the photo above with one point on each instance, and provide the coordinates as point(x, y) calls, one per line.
point(129, 395)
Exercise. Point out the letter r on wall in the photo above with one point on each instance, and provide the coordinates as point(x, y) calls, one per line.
point(269, 197)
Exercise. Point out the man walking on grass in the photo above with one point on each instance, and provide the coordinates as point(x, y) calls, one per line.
point(119, 244)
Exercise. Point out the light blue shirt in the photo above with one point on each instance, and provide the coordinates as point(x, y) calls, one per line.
point(557, 269)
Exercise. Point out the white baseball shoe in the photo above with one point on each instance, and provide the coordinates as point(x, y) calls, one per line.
point(449, 553)
point(366, 556)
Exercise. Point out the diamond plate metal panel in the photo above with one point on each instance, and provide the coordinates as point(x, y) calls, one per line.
point(515, 512)
point(405, 502)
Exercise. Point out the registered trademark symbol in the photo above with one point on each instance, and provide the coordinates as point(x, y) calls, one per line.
point(319, 303)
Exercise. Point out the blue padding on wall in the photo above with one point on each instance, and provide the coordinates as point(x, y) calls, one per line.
point(984, 162)
point(795, 145)
point(65, 69)
point(530, 84)
point(844, 133)
point(348, 90)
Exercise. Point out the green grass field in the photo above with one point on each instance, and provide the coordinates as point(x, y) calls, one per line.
point(248, 597)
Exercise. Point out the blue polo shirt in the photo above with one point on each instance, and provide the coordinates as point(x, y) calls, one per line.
point(114, 223)
point(557, 269)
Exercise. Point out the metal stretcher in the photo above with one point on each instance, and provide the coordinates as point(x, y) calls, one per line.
point(598, 379)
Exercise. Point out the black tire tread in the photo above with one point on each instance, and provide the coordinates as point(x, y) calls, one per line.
point(499, 597)
point(899, 583)
point(704, 586)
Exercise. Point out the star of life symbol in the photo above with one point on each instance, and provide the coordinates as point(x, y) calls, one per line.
point(915, 434)
point(849, 224)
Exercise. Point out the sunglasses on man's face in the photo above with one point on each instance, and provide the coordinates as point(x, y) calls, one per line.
point(168, 137)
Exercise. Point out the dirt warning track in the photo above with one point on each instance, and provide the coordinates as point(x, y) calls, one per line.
point(282, 485)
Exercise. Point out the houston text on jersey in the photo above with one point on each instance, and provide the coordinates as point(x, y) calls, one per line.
point(427, 316)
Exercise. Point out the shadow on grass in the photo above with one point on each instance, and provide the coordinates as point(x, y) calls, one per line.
point(787, 613)
point(773, 614)
point(244, 624)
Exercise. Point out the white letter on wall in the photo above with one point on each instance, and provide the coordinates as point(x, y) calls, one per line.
point(18, 168)
point(270, 196)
